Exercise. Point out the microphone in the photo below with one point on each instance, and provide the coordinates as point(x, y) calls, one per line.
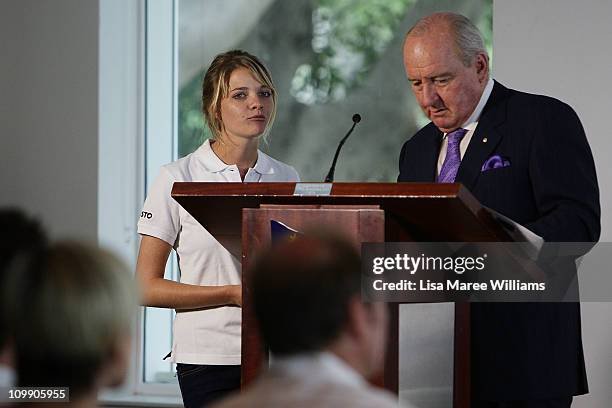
point(330, 175)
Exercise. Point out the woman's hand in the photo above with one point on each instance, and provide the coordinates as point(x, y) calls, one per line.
point(235, 294)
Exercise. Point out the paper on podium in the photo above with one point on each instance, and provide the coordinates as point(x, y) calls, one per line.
point(532, 242)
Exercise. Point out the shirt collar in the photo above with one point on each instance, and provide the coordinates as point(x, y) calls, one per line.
point(214, 164)
point(263, 165)
point(472, 121)
point(322, 362)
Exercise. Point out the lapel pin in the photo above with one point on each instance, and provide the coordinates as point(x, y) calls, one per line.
point(484, 140)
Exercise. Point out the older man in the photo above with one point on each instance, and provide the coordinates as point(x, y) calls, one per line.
point(324, 340)
point(527, 157)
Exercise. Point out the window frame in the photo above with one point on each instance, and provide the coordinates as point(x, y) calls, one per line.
point(133, 143)
point(161, 142)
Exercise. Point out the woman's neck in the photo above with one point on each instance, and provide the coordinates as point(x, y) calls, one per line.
point(242, 152)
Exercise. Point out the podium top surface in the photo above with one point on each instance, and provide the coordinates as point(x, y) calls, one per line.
point(449, 211)
point(390, 190)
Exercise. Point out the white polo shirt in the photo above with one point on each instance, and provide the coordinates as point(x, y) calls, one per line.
point(211, 335)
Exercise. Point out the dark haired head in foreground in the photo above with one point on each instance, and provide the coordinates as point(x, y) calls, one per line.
point(323, 339)
point(313, 279)
point(21, 237)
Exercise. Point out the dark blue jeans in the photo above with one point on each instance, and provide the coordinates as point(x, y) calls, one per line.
point(203, 384)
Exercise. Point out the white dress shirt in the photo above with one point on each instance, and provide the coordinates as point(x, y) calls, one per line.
point(311, 380)
point(470, 125)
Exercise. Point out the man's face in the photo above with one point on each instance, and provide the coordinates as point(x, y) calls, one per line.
point(447, 91)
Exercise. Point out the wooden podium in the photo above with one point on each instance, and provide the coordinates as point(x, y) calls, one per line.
point(239, 215)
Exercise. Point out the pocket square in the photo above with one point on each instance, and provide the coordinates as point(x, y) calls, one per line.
point(495, 162)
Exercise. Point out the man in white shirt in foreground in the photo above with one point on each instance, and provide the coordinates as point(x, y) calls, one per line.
point(324, 341)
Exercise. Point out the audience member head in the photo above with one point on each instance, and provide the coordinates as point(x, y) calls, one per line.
point(72, 309)
point(226, 96)
point(307, 298)
point(448, 68)
point(22, 238)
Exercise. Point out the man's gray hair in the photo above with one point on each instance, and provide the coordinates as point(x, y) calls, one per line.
point(468, 40)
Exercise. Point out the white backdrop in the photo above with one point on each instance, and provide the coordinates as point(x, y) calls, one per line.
point(562, 48)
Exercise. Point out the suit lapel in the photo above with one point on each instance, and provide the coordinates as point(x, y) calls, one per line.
point(485, 138)
point(426, 170)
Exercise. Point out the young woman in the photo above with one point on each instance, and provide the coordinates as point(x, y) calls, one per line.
point(239, 105)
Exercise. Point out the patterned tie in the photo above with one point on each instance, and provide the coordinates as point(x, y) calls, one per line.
point(453, 157)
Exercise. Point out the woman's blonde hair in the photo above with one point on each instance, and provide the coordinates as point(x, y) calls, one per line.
point(215, 86)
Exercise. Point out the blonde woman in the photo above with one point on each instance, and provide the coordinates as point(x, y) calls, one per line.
point(239, 105)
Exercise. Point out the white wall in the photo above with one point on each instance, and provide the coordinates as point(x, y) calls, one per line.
point(562, 48)
point(49, 112)
point(9, 21)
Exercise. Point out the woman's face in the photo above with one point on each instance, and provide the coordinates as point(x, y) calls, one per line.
point(246, 110)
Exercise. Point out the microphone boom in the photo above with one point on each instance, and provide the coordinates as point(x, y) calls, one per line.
point(330, 174)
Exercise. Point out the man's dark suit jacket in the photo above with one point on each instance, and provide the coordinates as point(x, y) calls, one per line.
point(524, 351)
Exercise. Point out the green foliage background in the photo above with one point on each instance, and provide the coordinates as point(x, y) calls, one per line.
point(348, 39)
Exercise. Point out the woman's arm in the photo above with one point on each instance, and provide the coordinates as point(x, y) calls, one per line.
point(160, 292)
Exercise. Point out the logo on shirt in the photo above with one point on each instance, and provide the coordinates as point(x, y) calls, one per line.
point(146, 215)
